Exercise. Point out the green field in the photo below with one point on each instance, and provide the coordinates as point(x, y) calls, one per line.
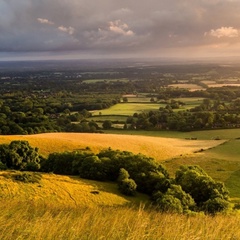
point(120, 111)
point(202, 135)
point(190, 102)
point(128, 109)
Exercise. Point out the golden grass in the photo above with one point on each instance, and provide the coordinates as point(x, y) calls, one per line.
point(64, 191)
point(157, 147)
point(44, 221)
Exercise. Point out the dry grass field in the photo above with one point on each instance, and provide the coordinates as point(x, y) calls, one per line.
point(65, 191)
point(157, 147)
point(63, 207)
point(46, 221)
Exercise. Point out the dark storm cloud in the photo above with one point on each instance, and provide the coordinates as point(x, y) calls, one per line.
point(118, 27)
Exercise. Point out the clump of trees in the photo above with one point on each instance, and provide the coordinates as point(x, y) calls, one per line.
point(19, 155)
point(191, 189)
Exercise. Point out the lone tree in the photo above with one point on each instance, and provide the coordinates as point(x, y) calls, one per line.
point(107, 124)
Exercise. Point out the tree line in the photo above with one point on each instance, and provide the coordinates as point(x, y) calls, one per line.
point(208, 115)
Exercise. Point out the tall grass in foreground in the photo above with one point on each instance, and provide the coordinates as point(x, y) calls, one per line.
point(27, 220)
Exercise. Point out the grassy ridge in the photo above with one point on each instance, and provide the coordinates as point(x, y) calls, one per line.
point(158, 148)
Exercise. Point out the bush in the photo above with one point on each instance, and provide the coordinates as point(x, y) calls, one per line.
point(19, 155)
point(128, 187)
point(2, 166)
point(180, 200)
point(168, 203)
point(204, 190)
point(27, 177)
point(215, 205)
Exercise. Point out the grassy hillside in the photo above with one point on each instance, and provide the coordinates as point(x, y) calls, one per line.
point(62, 207)
point(67, 207)
point(65, 191)
point(159, 148)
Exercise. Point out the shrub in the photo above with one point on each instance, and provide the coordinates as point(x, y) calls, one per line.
point(19, 155)
point(27, 177)
point(215, 205)
point(180, 200)
point(128, 187)
point(205, 191)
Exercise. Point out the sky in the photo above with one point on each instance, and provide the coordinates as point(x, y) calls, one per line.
point(72, 29)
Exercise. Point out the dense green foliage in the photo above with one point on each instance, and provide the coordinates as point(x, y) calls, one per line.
point(126, 185)
point(209, 195)
point(19, 155)
point(191, 190)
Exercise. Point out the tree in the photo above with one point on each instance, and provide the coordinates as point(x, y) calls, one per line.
point(125, 99)
point(20, 155)
point(204, 190)
point(107, 124)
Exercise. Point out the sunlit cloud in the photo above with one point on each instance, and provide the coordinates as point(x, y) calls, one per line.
point(69, 30)
point(229, 32)
point(45, 21)
point(120, 28)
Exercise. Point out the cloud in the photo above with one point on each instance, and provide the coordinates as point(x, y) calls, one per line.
point(120, 28)
point(69, 30)
point(45, 21)
point(229, 32)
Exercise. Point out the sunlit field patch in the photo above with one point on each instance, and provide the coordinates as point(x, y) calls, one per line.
point(128, 109)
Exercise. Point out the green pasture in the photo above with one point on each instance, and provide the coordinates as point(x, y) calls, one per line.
point(190, 101)
point(230, 150)
point(201, 135)
point(222, 163)
point(113, 118)
point(128, 109)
